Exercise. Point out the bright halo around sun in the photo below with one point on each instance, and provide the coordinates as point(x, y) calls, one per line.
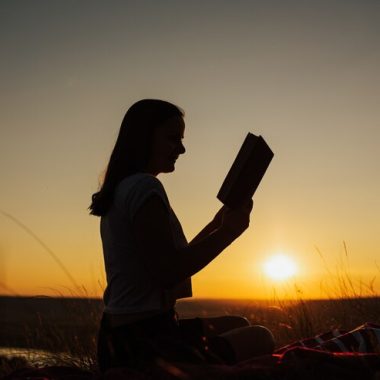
point(280, 267)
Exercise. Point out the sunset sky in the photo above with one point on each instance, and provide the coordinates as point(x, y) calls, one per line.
point(304, 74)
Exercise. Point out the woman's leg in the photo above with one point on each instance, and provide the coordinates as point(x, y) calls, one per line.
point(246, 342)
point(207, 335)
point(231, 338)
point(219, 325)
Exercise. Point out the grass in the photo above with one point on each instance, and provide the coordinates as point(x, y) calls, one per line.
point(66, 328)
point(63, 328)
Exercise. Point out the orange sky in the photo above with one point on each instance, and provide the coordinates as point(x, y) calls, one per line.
point(303, 74)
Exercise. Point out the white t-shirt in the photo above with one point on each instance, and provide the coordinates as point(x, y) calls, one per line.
point(130, 288)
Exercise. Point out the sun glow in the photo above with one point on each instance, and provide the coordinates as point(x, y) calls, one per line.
point(280, 267)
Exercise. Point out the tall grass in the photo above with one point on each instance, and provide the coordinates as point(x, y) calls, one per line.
point(72, 340)
point(63, 332)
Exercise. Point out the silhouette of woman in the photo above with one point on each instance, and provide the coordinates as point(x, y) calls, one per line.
point(148, 261)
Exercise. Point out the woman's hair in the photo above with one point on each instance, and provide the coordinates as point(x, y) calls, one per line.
point(132, 148)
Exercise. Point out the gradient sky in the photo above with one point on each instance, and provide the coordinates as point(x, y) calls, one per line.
point(304, 74)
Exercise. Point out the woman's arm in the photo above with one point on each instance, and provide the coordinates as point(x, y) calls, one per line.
point(170, 266)
point(211, 227)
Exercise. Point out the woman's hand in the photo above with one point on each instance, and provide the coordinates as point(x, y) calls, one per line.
point(234, 221)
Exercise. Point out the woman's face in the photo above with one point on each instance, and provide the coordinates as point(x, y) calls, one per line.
point(166, 146)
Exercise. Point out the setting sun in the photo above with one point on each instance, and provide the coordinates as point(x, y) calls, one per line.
point(280, 267)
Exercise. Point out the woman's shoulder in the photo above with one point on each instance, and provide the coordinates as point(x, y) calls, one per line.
point(138, 186)
point(134, 190)
point(139, 181)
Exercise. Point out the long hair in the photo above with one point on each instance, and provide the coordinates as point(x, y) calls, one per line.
point(132, 148)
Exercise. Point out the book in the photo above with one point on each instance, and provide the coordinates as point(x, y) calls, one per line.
point(246, 171)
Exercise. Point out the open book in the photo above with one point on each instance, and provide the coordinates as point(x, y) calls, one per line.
point(246, 171)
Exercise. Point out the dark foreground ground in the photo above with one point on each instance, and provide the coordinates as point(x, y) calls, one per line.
point(70, 324)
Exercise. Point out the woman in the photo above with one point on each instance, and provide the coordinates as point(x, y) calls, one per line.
point(148, 261)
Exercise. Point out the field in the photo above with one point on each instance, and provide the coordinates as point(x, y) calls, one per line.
point(66, 328)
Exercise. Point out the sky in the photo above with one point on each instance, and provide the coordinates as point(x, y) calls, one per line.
point(302, 73)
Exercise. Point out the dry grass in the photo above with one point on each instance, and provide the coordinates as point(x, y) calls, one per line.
point(66, 328)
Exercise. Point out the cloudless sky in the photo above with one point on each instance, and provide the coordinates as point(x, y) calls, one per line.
point(304, 74)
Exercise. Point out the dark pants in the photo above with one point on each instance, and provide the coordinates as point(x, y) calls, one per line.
point(162, 337)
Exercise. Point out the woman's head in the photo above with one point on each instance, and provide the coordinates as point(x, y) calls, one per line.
point(166, 146)
point(138, 129)
point(143, 125)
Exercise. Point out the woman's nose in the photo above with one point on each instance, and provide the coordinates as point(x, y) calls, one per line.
point(182, 148)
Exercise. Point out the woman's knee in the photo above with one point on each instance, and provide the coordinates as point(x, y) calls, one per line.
point(250, 341)
point(220, 325)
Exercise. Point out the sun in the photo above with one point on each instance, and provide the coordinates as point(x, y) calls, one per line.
point(280, 267)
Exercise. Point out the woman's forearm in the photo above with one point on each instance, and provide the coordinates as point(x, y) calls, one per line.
point(199, 253)
point(210, 228)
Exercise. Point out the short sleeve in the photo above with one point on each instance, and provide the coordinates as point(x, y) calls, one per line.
point(134, 192)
